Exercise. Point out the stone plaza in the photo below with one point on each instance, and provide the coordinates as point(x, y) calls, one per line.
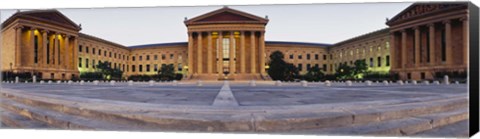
point(321, 108)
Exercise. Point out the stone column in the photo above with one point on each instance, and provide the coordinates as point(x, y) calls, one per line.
point(404, 49)
point(417, 46)
point(466, 38)
point(262, 52)
point(252, 52)
point(190, 53)
point(209, 53)
point(448, 41)
point(431, 29)
point(57, 51)
point(66, 52)
point(232, 54)
point(199, 53)
point(32, 47)
point(220, 54)
point(18, 47)
point(392, 50)
point(242, 52)
point(75, 53)
point(44, 44)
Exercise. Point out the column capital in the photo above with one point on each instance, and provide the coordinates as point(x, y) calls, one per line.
point(463, 19)
point(448, 21)
point(19, 27)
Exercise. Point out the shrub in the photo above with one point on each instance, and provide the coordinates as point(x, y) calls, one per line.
point(91, 76)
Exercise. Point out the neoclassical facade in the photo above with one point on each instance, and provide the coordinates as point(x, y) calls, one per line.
point(227, 44)
point(429, 38)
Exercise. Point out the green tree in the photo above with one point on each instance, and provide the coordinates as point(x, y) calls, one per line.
point(291, 72)
point(108, 72)
point(167, 72)
point(344, 72)
point(277, 66)
point(314, 74)
point(360, 68)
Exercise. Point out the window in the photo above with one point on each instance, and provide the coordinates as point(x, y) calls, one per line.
point(299, 67)
point(387, 61)
point(299, 56)
point(79, 62)
point(331, 67)
point(79, 47)
point(316, 57)
point(308, 57)
point(105, 53)
point(324, 57)
point(133, 58)
point(148, 57)
point(86, 49)
point(114, 55)
point(110, 54)
point(93, 63)
point(140, 68)
point(308, 66)
point(171, 56)
point(163, 56)
point(371, 62)
point(99, 52)
point(86, 63)
point(147, 68)
point(35, 50)
point(127, 68)
point(155, 57)
point(379, 61)
point(291, 56)
point(93, 51)
point(331, 56)
point(123, 67)
point(155, 67)
point(180, 67)
point(140, 58)
point(133, 68)
point(324, 67)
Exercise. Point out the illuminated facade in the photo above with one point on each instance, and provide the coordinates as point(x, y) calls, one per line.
point(230, 44)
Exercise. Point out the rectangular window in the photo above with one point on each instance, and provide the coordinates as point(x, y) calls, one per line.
point(308, 66)
point(299, 67)
point(299, 56)
point(171, 56)
point(99, 52)
point(180, 67)
point(133, 68)
point(105, 53)
point(79, 62)
point(379, 61)
point(127, 69)
point(387, 61)
point(163, 56)
point(86, 49)
point(140, 58)
point(140, 68)
point(324, 57)
point(147, 67)
point(133, 58)
point(123, 67)
point(155, 57)
point(93, 63)
point(79, 47)
point(148, 57)
point(308, 57)
point(86, 63)
point(155, 67)
point(110, 54)
point(93, 51)
point(316, 57)
point(114, 55)
point(324, 67)
point(291, 56)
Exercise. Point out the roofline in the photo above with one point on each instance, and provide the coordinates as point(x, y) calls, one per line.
point(225, 8)
point(101, 40)
point(299, 43)
point(20, 13)
point(383, 30)
point(157, 45)
point(389, 22)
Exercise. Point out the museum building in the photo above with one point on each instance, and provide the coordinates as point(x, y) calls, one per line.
point(230, 44)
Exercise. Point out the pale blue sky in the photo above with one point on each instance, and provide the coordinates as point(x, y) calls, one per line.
point(320, 23)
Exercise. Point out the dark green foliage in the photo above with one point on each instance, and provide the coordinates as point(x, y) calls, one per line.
point(344, 72)
point(22, 76)
point(361, 67)
point(314, 74)
point(281, 70)
point(167, 72)
point(108, 72)
point(90, 76)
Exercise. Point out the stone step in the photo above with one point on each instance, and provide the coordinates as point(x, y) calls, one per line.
point(134, 116)
point(12, 120)
point(56, 119)
point(454, 130)
point(398, 127)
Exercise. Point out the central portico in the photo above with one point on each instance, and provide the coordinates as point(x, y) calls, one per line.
point(226, 44)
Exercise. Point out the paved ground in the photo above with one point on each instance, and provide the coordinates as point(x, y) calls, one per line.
point(263, 94)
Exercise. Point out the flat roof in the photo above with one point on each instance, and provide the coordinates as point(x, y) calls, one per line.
point(266, 42)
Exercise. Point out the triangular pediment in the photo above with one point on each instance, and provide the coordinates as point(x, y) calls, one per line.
point(226, 15)
point(48, 16)
point(422, 9)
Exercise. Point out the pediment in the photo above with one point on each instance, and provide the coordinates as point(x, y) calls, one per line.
point(47, 16)
point(226, 15)
point(422, 9)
